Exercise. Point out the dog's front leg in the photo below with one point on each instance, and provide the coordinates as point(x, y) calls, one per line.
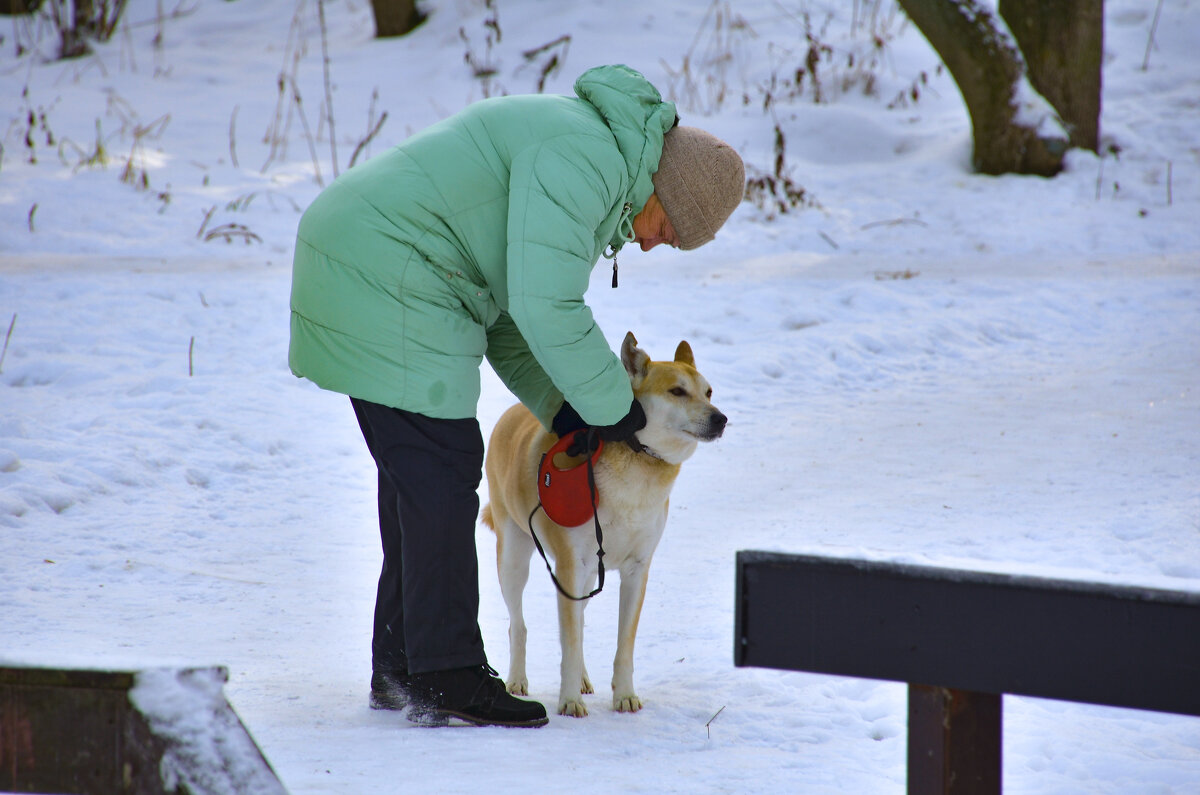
point(513, 551)
point(633, 593)
point(573, 680)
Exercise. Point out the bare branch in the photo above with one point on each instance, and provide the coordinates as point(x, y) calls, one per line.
point(328, 89)
point(367, 140)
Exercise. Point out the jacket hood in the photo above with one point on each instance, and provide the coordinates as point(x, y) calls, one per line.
point(638, 118)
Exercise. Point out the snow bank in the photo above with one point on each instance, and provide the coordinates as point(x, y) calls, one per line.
point(207, 749)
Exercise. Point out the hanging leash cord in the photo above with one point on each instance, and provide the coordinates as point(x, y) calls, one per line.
point(591, 476)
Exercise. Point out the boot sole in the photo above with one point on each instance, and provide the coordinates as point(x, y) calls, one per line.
point(442, 717)
point(387, 701)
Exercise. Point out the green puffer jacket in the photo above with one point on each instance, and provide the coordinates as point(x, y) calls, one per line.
point(473, 238)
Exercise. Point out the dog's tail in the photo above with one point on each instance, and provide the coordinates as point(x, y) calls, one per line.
point(486, 517)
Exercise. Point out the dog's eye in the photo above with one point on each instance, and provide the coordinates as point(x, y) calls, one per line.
point(708, 394)
point(679, 391)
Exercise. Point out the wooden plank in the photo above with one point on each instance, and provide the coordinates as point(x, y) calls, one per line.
point(954, 741)
point(62, 731)
point(78, 731)
point(989, 633)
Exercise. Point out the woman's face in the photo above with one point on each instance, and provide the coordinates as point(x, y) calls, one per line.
point(651, 226)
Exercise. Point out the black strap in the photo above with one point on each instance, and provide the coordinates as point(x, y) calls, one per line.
point(599, 535)
point(635, 444)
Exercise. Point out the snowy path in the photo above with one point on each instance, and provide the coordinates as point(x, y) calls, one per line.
point(1046, 424)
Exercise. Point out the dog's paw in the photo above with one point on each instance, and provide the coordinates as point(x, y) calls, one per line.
point(585, 687)
point(518, 687)
point(573, 708)
point(627, 703)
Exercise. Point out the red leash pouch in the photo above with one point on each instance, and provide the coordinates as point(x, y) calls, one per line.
point(566, 494)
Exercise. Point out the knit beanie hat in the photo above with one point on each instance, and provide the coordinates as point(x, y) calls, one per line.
point(700, 182)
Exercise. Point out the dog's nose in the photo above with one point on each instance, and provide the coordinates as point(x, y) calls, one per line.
point(717, 421)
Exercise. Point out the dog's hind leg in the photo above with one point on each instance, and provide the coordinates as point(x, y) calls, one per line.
point(633, 593)
point(513, 551)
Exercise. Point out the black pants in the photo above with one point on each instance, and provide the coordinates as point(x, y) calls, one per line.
point(427, 605)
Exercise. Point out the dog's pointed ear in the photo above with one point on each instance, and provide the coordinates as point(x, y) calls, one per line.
point(634, 358)
point(683, 354)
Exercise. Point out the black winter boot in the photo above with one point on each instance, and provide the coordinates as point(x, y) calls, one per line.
point(389, 688)
point(475, 695)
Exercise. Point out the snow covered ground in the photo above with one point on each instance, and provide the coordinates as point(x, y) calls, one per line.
point(929, 366)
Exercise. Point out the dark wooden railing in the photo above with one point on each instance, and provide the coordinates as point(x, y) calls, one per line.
point(961, 640)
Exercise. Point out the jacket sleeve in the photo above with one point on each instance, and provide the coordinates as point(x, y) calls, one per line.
point(560, 193)
point(509, 355)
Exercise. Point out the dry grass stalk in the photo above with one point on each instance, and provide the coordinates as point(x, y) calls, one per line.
point(233, 158)
point(328, 88)
point(7, 338)
point(230, 232)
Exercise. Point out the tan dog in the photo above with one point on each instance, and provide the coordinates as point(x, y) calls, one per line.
point(634, 488)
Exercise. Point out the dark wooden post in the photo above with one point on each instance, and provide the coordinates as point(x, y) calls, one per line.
point(954, 741)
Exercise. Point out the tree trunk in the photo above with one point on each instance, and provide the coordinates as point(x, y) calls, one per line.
point(85, 16)
point(14, 7)
point(1063, 44)
point(73, 31)
point(990, 73)
point(395, 17)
